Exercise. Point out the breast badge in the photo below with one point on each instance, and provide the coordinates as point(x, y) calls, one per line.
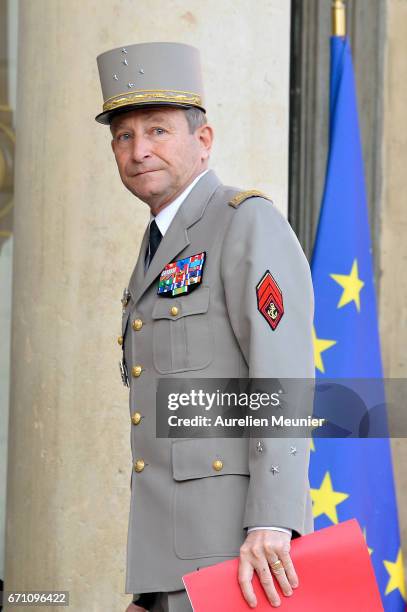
point(125, 299)
point(123, 373)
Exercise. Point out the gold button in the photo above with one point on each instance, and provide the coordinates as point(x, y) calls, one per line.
point(120, 340)
point(136, 418)
point(217, 465)
point(137, 324)
point(139, 465)
point(136, 370)
point(174, 311)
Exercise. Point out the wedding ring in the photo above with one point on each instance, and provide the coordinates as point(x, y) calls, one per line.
point(277, 567)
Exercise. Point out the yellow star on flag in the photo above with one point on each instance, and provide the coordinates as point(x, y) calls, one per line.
point(325, 499)
point(396, 573)
point(351, 284)
point(364, 535)
point(312, 445)
point(320, 345)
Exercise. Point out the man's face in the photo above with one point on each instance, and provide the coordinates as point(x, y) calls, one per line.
point(156, 154)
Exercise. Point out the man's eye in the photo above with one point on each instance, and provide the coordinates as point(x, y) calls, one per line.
point(159, 131)
point(124, 136)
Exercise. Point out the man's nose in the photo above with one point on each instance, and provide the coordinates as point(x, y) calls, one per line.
point(141, 148)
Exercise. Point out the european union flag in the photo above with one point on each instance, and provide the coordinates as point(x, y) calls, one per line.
point(351, 477)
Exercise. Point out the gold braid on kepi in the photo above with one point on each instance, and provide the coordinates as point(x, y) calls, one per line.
point(245, 195)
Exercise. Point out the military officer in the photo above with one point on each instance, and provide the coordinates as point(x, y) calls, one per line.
point(221, 288)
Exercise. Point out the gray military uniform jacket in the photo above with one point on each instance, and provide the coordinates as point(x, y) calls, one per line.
point(184, 514)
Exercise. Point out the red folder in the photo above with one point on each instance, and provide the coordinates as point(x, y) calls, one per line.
point(333, 567)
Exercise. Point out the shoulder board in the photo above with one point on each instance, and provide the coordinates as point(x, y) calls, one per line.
point(245, 195)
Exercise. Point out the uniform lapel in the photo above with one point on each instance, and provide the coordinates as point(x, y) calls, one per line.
point(137, 277)
point(176, 237)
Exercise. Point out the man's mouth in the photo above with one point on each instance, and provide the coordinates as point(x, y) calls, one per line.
point(144, 172)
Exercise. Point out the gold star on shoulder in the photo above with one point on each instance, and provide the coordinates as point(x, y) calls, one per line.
point(320, 345)
point(396, 573)
point(351, 284)
point(325, 499)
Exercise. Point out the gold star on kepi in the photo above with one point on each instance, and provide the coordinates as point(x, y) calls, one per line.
point(149, 74)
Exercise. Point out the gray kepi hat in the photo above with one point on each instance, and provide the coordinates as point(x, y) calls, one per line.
point(149, 74)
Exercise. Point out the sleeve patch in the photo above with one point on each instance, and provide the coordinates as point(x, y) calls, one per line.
point(270, 300)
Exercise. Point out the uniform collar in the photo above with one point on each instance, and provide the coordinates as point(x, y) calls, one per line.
point(177, 237)
point(166, 215)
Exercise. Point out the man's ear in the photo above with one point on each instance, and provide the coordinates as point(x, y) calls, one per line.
point(205, 136)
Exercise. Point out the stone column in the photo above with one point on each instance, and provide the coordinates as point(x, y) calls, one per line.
point(393, 283)
point(77, 234)
point(8, 49)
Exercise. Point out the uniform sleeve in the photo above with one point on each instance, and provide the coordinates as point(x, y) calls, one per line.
point(260, 240)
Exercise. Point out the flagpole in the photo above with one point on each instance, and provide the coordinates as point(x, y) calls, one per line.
point(338, 13)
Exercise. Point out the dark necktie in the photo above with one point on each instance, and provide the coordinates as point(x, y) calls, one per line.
point(153, 242)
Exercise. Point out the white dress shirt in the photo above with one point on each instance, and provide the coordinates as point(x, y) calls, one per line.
point(163, 220)
point(166, 215)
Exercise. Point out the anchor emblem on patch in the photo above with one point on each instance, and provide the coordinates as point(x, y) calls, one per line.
point(272, 311)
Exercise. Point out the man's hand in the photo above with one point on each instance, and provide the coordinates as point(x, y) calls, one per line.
point(133, 608)
point(260, 549)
